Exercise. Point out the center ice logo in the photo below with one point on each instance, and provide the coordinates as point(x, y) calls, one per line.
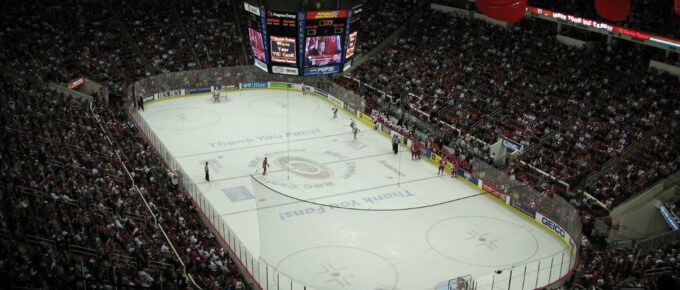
point(313, 170)
point(305, 167)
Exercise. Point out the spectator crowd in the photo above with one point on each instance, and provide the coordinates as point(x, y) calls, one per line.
point(71, 215)
point(68, 197)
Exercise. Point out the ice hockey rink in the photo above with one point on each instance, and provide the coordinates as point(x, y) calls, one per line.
point(335, 212)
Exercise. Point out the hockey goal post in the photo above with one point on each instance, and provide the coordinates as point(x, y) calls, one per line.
point(462, 283)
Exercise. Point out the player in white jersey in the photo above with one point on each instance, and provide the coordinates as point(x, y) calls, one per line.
point(216, 96)
point(355, 130)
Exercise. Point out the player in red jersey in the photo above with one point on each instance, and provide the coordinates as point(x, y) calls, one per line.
point(415, 149)
point(420, 148)
point(442, 165)
point(265, 165)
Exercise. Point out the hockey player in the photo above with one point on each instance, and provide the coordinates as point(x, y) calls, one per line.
point(216, 96)
point(335, 112)
point(352, 124)
point(454, 168)
point(304, 89)
point(442, 165)
point(355, 130)
point(415, 150)
point(420, 147)
point(265, 165)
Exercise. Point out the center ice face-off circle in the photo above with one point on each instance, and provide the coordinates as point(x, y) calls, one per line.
point(305, 167)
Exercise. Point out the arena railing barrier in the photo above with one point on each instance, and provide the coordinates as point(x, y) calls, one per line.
point(552, 212)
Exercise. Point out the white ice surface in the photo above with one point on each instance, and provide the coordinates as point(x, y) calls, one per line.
point(340, 248)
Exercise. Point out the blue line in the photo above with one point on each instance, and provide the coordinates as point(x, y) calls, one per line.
point(328, 196)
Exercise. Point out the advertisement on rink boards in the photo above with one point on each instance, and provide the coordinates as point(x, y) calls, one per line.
point(164, 95)
point(352, 110)
point(488, 187)
point(335, 101)
point(199, 91)
point(254, 85)
point(556, 228)
point(523, 207)
point(320, 92)
point(227, 87)
point(278, 85)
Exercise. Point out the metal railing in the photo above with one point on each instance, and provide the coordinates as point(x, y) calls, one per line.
point(531, 275)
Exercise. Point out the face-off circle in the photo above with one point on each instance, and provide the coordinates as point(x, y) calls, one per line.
point(339, 268)
point(184, 118)
point(282, 106)
point(482, 241)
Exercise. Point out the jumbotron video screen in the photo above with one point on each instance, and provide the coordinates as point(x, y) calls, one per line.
point(303, 42)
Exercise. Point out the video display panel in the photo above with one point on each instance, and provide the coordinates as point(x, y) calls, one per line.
point(351, 44)
point(283, 49)
point(322, 50)
point(256, 44)
point(283, 41)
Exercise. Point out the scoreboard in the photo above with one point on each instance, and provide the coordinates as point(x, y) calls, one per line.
point(257, 33)
point(302, 42)
point(282, 29)
point(324, 38)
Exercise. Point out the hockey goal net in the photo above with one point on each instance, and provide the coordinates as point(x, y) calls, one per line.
point(462, 283)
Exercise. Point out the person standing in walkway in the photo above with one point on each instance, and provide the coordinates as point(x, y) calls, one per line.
point(207, 172)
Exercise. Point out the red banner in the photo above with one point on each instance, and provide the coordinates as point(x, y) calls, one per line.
point(677, 7)
point(613, 10)
point(503, 10)
point(326, 14)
